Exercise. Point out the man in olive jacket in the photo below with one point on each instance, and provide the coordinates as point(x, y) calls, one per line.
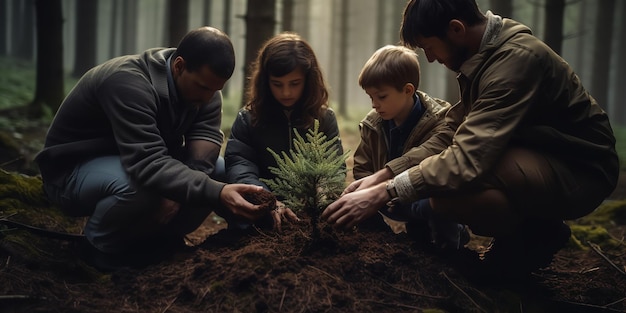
point(135, 143)
point(530, 146)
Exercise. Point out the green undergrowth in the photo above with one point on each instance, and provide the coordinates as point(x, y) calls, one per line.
point(592, 229)
point(22, 200)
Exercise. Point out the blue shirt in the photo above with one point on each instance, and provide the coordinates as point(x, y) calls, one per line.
point(398, 134)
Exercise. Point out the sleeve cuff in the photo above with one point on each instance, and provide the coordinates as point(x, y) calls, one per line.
point(404, 188)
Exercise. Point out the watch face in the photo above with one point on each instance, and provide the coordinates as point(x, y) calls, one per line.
point(391, 190)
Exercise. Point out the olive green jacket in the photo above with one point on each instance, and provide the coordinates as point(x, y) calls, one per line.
point(371, 154)
point(515, 91)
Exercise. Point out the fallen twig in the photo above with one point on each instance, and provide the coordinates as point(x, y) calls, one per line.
point(463, 292)
point(323, 272)
point(169, 305)
point(591, 306)
point(282, 300)
point(393, 304)
point(616, 302)
point(42, 231)
point(11, 161)
point(597, 250)
point(14, 297)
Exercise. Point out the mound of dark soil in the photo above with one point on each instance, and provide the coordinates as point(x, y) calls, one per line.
point(356, 271)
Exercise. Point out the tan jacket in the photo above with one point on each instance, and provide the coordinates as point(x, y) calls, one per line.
point(371, 154)
point(514, 91)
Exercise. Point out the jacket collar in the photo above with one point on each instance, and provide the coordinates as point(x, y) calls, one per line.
point(497, 33)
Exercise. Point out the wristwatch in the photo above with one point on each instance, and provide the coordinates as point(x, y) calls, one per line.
point(393, 194)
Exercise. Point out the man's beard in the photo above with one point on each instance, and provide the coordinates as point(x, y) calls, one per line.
point(458, 56)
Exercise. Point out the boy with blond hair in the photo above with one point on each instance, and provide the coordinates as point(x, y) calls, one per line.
point(398, 130)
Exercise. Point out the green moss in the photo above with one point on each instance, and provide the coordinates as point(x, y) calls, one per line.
point(607, 214)
point(27, 189)
point(22, 198)
point(582, 234)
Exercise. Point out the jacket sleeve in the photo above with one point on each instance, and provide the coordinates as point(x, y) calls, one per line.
point(483, 133)
point(204, 138)
point(240, 156)
point(130, 104)
point(363, 162)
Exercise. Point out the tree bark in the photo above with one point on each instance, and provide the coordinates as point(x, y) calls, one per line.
point(260, 21)
point(178, 20)
point(343, 58)
point(287, 15)
point(49, 90)
point(206, 14)
point(381, 19)
point(113, 43)
point(226, 20)
point(23, 39)
point(619, 111)
point(85, 47)
point(553, 35)
point(602, 51)
point(129, 26)
point(3, 27)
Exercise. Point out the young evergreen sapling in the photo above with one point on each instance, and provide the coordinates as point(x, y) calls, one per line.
point(311, 176)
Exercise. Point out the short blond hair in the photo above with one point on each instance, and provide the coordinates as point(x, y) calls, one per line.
point(391, 65)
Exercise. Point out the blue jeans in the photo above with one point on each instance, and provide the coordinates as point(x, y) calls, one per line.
point(121, 215)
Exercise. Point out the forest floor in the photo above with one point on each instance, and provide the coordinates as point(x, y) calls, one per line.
point(354, 271)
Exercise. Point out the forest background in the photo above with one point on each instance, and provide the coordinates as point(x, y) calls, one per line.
point(46, 45)
point(61, 39)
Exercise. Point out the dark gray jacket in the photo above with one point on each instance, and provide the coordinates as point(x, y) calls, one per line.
point(124, 107)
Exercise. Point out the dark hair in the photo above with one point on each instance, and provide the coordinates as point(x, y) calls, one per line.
point(207, 46)
point(280, 55)
point(428, 18)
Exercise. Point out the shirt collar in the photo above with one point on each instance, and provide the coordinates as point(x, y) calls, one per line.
point(411, 120)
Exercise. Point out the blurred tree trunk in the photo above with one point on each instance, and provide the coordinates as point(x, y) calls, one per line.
point(582, 35)
point(553, 35)
point(302, 11)
point(129, 26)
point(4, 17)
point(536, 20)
point(206, 13)
point(113, 43)
point(287, 15)
point(602, 51)
point(343, 58)
point(177, 21)
point(226, 20)
point(381, 19)
point(23, 30)
point(396, 17)
point(260, 21)
point(503, 8)
point(85, 47)
point(619, 110)
point(49, 90)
